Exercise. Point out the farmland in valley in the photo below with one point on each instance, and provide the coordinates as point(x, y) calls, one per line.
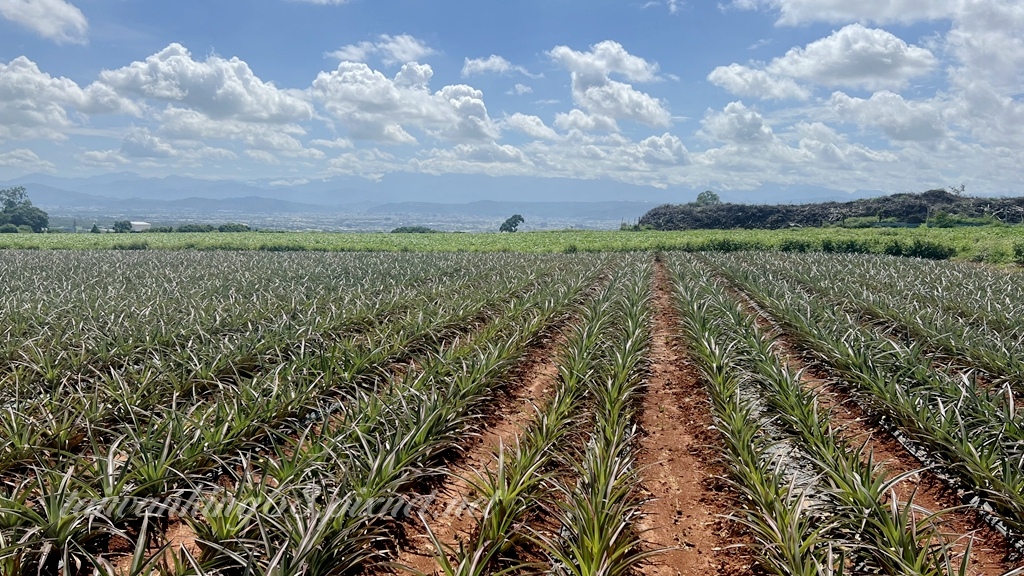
point(295, 413)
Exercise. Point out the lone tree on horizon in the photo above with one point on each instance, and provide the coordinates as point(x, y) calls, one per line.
point(512, 224)
point(708, 198)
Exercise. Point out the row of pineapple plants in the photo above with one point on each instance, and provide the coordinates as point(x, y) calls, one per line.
point(599, 503)
point(979, 330)
point(985, 295)
point(207, 337)
point(62, 418)
point(61, 421)
point(781, 517)
point(574, 464)
point(378, 444)
point(196, 315)
point(851, 514)
point(974, 433)
point(510, 493)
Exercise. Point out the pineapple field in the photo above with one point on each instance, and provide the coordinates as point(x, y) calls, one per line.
point(264, 413)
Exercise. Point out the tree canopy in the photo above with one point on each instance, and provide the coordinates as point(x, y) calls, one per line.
point(707, 198)
point(233, 227)
point(512, 224)
point(414, 230)
point(19, 211)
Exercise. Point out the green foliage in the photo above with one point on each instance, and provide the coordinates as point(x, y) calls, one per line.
point(286, 397)
point(302, 425)
point(796, 245)
point(233, 227)
point(860, 222)
point(122, 226)
point(944, 219)
point(11, 198)
point(414, 230)
point(512, 224)
point(919, 248)
point(988, 244)
point(1018, 253)
point(135, 245)
point(196, 228)
point(19, 211)
point(707, 198)
point(29, 216)
point(94, 230)
point(846, 246)
point(832, 306)
point(8, 229)
point(993, 255)
point(945, 208)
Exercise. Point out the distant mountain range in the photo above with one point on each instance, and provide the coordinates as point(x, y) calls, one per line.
point(552, 202)
point(490, 208)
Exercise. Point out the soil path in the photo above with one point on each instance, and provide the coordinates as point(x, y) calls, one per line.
point(688, 497)
point(450, 515)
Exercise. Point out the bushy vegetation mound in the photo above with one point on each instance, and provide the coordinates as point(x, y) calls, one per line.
point(414, 230)
point(936, 208)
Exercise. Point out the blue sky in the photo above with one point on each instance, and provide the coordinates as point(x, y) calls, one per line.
point(893, 95)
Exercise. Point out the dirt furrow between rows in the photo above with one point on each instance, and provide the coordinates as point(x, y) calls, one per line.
point(688, 497)
point(962, 526)
point(450, 515)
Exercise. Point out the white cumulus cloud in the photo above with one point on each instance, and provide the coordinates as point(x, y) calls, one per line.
point(34, 104)
point(530, 125)
point(792, 12)
point(830, 147)
point(666, 149)
point(596, 92)
point(57, 20)
point(142, 147)
point(337, 143)
point(219, 88)
point(856, 56)
point(262, 156)
point(745, 81)
point(737, 124)
point(991, 117)
point(377, 108)
point(139, 143)
point(369, 163)
point(102, 158)
point(26, 160)
point(494, 64)
point(471, 119)
point(392, 50)
point(188, 124)
point(579, 120)
point(853, 56)
point(603, 59)
point(898, 118)
point(988, 41)
point(520, 89)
